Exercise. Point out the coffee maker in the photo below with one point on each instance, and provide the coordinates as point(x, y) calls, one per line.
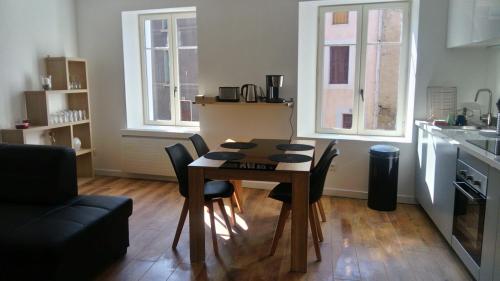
point(273, 83)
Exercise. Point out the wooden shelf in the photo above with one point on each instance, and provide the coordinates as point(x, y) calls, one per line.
point(57, 92)
point(50, 127)
point(83, 151)
point(247, 103)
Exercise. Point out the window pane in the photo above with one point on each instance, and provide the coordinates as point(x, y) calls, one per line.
point(188, 68)
point(381, 86)
point(340, 33)
point(385, 25)
point(156, 32)
point(161, 102)
point(339, 65)
point(157, 63)
point(187, 32)
point(188, 111)
point(381, 83)
point(338, 99)
point(161, 67)
point(188, 76)
point(340, 18)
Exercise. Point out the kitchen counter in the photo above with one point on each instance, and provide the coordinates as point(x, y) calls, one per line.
point(459, 137)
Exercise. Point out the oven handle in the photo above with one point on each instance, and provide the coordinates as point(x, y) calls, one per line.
point(464, 192)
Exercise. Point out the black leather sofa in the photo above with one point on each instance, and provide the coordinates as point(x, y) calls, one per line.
point(48, 231)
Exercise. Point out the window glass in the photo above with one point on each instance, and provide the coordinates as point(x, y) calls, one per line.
point(158, 69)
point(188, 67)
point(170, 68)
point(339, 65)
point(382, 60)
point(361, 82)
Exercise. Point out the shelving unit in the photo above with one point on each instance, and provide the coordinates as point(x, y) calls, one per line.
point(41, 105)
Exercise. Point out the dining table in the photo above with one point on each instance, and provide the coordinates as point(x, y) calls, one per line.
point(255, 166)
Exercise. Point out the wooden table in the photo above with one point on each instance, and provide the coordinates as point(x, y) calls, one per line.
point(297, 174)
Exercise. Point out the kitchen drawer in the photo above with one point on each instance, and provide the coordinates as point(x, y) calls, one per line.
point(472, 161)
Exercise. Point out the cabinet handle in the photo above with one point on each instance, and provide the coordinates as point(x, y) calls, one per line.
point(465, 193)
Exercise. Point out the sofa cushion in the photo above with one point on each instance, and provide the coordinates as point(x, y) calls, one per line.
point(36, 174)
point(38, 233)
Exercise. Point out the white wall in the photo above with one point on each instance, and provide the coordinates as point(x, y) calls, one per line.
point(465, 68)
point(30, 30)
point(494, 72)
point(239, 42)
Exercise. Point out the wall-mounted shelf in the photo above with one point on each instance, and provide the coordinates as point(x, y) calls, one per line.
point(289, 104)
point(42, 106)
point(75, 91)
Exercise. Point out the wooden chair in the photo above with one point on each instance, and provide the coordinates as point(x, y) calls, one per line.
point(320, 204)
point(214, 191)
point(201, 148)
point(283, 192)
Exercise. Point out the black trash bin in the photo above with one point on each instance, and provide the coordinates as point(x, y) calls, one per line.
point(383, 181)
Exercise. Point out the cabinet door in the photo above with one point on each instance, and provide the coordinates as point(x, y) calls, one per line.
point(421, 188)
point(444, 192)
point(460, 18)
point(486, 23)
point(435, 173)
point(490, 258)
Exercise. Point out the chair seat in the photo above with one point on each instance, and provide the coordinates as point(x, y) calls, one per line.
point(218, 189)
point(283, 192)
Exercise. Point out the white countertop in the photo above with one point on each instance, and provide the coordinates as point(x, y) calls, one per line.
point(459, 138)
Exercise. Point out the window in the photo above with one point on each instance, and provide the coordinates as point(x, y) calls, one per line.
point(339, 64)
point(169, 60)
point(362, 52)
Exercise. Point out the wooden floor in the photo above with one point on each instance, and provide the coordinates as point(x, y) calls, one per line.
point(360, 244)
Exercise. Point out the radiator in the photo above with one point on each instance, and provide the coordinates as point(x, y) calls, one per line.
point(147, 155)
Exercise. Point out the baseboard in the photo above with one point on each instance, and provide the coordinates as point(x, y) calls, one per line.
point(329, 191)
point(121, 174)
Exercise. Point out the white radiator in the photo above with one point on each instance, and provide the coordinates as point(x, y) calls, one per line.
point(147, 155)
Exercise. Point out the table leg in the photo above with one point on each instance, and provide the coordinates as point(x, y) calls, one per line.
point(196, 215)
point(300, 212)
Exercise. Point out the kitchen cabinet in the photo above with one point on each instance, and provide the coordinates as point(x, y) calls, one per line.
point(490, 267)
point(473, 23)
point(435, 173)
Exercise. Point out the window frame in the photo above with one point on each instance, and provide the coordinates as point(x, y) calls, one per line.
point(358, 113)
point(321, 67)
point(173, 55)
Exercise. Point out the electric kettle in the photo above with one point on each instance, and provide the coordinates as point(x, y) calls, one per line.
point(249, 92)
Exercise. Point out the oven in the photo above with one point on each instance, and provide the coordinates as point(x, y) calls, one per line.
point(468, 216)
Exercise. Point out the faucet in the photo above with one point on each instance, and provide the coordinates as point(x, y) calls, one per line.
point(486, 118)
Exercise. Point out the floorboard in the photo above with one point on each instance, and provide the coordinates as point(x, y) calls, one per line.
point(359, 243)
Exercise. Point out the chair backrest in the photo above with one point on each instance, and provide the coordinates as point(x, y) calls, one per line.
point(180, 158)
point(318, 175)
point(199, 144)
point(327, 149)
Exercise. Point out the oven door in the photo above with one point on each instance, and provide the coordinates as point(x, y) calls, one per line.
point(468, 219)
